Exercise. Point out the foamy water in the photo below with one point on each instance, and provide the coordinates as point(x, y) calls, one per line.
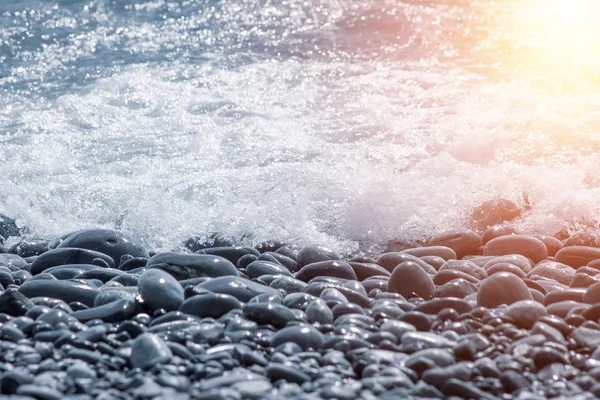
point(338, 122)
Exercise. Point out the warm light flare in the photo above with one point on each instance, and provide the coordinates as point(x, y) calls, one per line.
point(558, 39)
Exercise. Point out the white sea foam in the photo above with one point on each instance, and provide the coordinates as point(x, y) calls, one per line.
point(304, 121)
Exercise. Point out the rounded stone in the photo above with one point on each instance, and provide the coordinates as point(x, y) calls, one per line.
point(304, 335)
point(408, 279)
point(494, 212)
point(459, 288)
point(518, 260)
point(525, 245)
point(212, 305)
point(496, 231)
point(440, 251)
point(525, 313)
point(269, 314)
point(465, 266)
point(592, 294)
point(336, 269)
point(315, 253)
point(148, 350)
point(318, 311)
point(62, 290)
point(109, 242)
point(577, 256)
point(67, 256)
point(160, 290)
point(186, 266)
point(502, 288)
point(258, 268)
point(556, 271)
point(552, 244)
point(462, 241)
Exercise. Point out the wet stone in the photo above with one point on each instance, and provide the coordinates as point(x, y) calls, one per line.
point(462, 241)
point(525, 313)
point(66, 255)
point(14, 303)
point(148, 350)
point(409, 279)
point(238, 287)
point(62, 290)
point(269, 314)
point(318, 311)
point(260, 268)
point(502, 288)
point(187, 266)
point(525, 245)
point(233, 254)
point(337, 269)
point(160, 290)
point(315, 253)
point(210, 305)
point(305, 336)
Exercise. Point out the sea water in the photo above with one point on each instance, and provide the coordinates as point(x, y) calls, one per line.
point(342, 122)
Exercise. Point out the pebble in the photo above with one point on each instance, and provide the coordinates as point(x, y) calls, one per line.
point(390, 261)
point(259, 268)
point(556, 271)
point(409, 279)
point(112, 243)
point(187, 266)
point(465, 266)
point(238, 287)
point(502, 288)
point(305, 336)
point(525, 313)
point(524, 245)
point(440, 251)
point(148, 350)
point(336, 269)
point(212, 305)
point(160, 290)
point(577, 256)
point(462, 241)
point(62, 290)
point(231, 253)
point(68, 256)
point(269, 314)
point(318, 311)
point(315, 253)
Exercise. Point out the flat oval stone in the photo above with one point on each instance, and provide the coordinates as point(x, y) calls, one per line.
point(12, 260)
point(117, 311)
point(518, 260)
point(592, 294)
point(29, 246)
point(14, 303)
point(269, 314)
point(525, 313)
point(556, 271)
point(148, 350)
point(160, 290)
point(434, 261)
point(108, 296)
point(367, 270)
point(260, 268)
point(577, 256)
point(318, 311)
point(459, 288)
point(563, 308)
point(465, 266)
point(277, 371)
point(238, 287)
point(109, 242)
point(434, 306)
point(65, 256)
point(502, 288)
point(102, 274)
point(563, 295)
point(287, 262)
point(408, 278)
point(462, 241)
point(525, 245)
point(304, 335)
point(233, 254)
point(316, 288)
point(62, 290)
point(440, 251)
point(187, 266)
point(589, 239)
point(425, 340)
point(447, 275)
point(212, 305)
point(552, 244)
point(391, 260)
point(494, 212)
point(315, 253)
point(337, 269)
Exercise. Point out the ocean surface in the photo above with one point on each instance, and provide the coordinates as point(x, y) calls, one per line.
point(342, 122)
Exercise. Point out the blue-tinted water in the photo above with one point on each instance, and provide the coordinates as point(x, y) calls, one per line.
point(308, 120)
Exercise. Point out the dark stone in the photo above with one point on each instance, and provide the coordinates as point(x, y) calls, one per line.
point(160, 290)
point(133, 263)
point(525, 313)
point(240, 288)
point(409, 279)
point(62, 290)
point(186, 266)
point(212, 305)
point(513, 381)
point(502, 288)
point(390, 261)
point(112, 243)
point(29, 246)
point(14, 303)
point(8, 227)
point(336, 269)
point(102, 274)
point(233, 254)
point(287, 262)
point(148, 350)
point(315, 253)
point(443, 277)
point(465, 266)
point(116, 311)
point(269, 314)
point(525, 245)
point(364, 270)
point(276, 371)
point(196, 243)
point(259, 268)
point(459, 288)
point(436, 305)
point(577, 256)
point(304, 335)
point(65, 256)
point(559, 272)
point(494, 212)
point(462, 241)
